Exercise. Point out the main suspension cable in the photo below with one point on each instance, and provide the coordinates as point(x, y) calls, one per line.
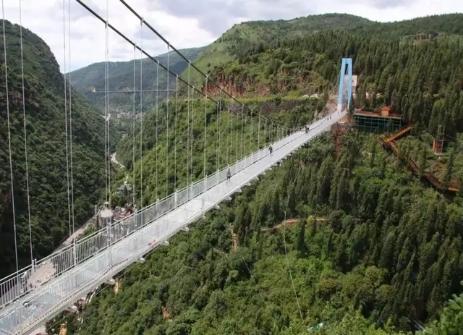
point(229, 95)
point(26, 157)
point(10, 155)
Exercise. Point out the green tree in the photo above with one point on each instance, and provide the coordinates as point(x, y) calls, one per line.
point(422, 165)
point(300, 243)
point(449, 169)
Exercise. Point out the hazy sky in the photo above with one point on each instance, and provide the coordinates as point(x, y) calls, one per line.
point(188, 23)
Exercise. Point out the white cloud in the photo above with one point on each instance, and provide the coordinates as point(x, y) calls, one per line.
point(188, 23)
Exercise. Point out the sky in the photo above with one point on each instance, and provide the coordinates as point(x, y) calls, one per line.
point(185, 23)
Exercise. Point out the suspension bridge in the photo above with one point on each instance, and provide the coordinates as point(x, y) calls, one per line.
point(36, 293)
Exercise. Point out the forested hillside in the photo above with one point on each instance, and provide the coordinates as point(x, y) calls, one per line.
point(90, 82)
point(251, 37)
point(186, 138)
point(419, 75)
point(371, 247)
point(44, 97)
point(340, 239)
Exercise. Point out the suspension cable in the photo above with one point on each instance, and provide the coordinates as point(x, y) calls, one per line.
point(173, 48)
point(192, 120)
point(242, 133)
point(141, 117)
point(107, 116)
point(265, 133)
point(238, 136)
point(188, 127)
point(218, 136)
point(25, 134)
point(167, 119)
point(205, 131)
point(258, 131)
point(251, 142)
point(68, 181)
point(229, 95)
point(71, 155)
point(228, 135)
point(175, 133)
point(10, 155)
point(156, 131)
point(134, 97)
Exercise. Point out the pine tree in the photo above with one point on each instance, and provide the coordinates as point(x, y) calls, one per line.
point(342, 191)
point(449, 169)
point(301, 247)
point(373, 155)
point(423, 160)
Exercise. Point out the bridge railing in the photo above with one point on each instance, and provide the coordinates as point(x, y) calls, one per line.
point(33, 276)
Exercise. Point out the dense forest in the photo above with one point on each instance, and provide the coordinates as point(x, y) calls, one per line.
point(44, 97)
point(120, 75)
point(419, 76)
point(338, 240)
point(90, 82)
point(187, 140)
point(347, 242)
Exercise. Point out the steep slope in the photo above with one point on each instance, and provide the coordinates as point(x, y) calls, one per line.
point(90, 80)
point(246, 36)
point(44, 96)
point(415, 66)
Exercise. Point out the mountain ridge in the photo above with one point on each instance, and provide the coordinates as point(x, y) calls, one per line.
point(90, 80)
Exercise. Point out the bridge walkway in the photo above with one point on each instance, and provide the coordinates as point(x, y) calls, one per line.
point(111, 250)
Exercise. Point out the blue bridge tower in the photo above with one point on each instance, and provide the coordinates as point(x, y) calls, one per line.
point(345, 84)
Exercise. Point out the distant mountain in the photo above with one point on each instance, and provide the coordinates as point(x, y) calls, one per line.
point(246, 37)
point(44, 97)
point(241, 37)
point(90, 80)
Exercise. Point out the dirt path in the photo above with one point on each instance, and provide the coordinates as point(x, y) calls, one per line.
point(115, 161)
point(78, 233)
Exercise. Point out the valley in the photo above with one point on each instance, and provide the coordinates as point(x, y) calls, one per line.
point(358, 231)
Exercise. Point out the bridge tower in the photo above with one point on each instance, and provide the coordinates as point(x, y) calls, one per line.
point(345, 84)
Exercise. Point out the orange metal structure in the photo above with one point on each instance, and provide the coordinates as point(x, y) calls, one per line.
point(389, 143)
